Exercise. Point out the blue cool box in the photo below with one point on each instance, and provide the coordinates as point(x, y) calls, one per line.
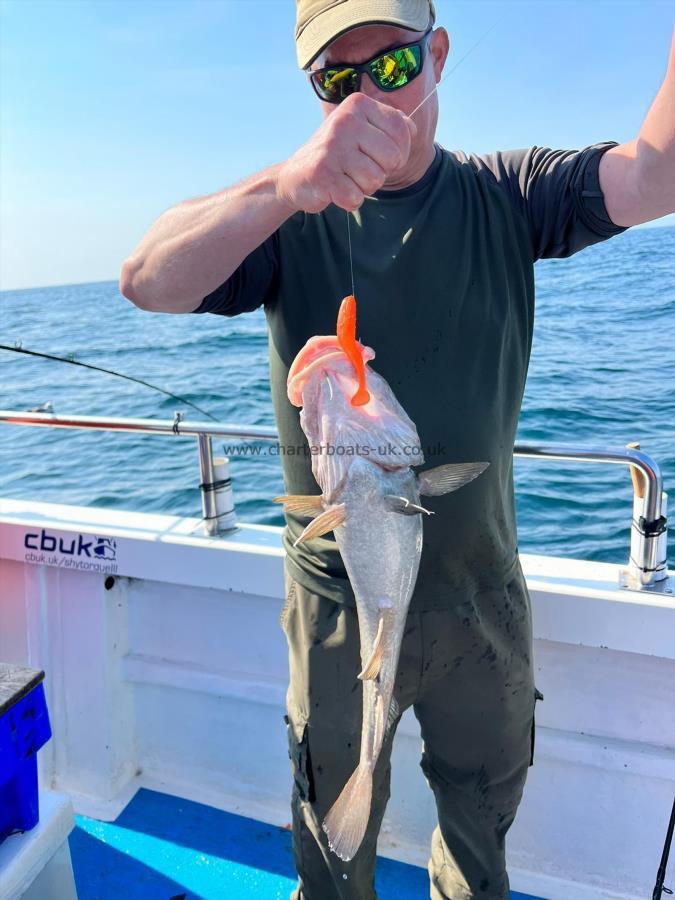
point(24, 728)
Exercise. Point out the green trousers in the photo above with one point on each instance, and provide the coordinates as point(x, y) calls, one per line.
point(467, 672)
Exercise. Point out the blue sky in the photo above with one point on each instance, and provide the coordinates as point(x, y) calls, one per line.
point(112, 111)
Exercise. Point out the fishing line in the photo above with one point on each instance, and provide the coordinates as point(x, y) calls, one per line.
point(351, 260)
point(410, 115)
point(457, 64)
point(74, 362)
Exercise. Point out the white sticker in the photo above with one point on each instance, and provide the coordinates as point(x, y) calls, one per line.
point(71, 550)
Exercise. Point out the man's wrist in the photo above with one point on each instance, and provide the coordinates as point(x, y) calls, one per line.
point(277, 172)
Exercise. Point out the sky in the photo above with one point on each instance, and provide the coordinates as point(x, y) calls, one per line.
point(112, 111)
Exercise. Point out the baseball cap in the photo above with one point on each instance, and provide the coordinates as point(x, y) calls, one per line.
point(318, 22)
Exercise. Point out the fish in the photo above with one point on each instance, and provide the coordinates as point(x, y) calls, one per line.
point(364, 447)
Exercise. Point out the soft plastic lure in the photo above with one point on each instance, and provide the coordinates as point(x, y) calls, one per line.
point(346, 335)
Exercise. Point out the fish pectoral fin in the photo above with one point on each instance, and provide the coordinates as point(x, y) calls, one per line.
point(372, 668)
point(448, 478)
point(404, 506)
point(323, 523)
point(302, 504)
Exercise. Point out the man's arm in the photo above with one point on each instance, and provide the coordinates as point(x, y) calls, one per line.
point(556, 193)
point(638, 177)
point(196, 246)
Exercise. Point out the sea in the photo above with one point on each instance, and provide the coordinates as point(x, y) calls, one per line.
point(602, 374)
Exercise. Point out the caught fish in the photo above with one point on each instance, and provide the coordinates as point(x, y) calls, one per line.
point(371, 499)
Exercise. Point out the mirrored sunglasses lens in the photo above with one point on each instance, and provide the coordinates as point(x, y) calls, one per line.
point(336, 84)
point(396, 69)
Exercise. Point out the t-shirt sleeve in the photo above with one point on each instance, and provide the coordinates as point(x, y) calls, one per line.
point(558, 193)
point(249, 286)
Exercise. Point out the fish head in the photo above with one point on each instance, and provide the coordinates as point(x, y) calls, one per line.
point(322, 354)
point(323, 382)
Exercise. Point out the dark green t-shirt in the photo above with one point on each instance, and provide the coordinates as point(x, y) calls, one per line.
point(444, 282)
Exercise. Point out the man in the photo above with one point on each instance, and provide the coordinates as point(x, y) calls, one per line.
point(443, 249)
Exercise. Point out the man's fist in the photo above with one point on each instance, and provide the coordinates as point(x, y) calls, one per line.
point(351, 155)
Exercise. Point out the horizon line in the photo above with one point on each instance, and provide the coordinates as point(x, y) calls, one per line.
point(646, 226)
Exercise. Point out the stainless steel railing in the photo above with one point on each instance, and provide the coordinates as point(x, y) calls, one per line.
point(647, 567)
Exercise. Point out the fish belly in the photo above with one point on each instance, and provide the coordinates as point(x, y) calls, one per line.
point(380, 547)
point(381, 551)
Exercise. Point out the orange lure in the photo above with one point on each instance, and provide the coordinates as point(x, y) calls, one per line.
point(346, 335)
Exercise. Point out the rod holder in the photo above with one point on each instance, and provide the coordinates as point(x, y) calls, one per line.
point(647, 564)
point(218, 512)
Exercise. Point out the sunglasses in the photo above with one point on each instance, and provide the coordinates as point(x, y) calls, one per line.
point(389, 70)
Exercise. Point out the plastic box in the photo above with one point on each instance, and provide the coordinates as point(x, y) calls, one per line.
point(24, 728)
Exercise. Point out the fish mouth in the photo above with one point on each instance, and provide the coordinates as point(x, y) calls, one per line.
point(321, 352)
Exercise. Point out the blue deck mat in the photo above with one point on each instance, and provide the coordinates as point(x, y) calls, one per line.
point(162, 847)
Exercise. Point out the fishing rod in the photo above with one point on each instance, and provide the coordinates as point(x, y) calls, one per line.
point(73, 362)
point(659, 887)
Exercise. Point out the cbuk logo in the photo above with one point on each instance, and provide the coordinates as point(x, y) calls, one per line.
point(81, 545)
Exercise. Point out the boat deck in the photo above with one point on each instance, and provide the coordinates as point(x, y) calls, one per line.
point(164, 848)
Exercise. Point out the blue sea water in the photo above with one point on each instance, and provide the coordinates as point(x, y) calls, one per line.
point(602, 373)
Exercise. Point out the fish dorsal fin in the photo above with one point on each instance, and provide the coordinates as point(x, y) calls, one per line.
point(325, 522)
point(448, 478)
point(302, 504)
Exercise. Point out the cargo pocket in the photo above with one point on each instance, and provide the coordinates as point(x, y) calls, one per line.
point(301, 761)
point(537, 696)
point(290, 597)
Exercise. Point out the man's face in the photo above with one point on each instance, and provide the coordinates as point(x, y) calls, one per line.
point(363, 43)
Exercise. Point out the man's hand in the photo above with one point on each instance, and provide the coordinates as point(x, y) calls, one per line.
point(196, 246)
point(351, 155)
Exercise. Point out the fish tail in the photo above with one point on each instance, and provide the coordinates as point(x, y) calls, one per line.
point(347, 819)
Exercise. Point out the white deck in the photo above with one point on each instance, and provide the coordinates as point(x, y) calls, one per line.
point(174, 678)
